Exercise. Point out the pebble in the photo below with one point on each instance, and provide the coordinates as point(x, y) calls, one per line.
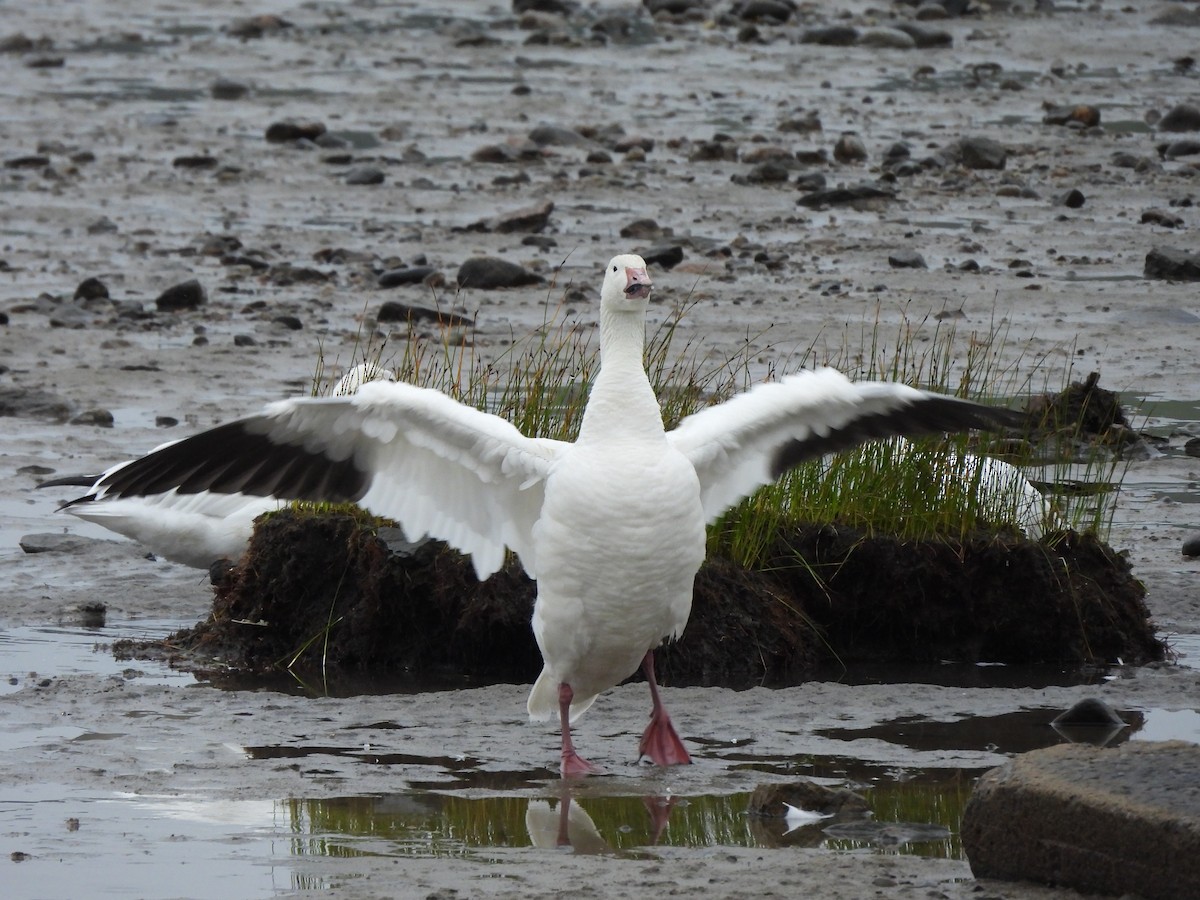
point(91, 289)
point(644, 229)
point(906, 259)
point(666, 255)
point(52, 543)
point(1192, 447)
point(244, 340)
point(1161, 217)
point(1065, 115)
point(1176, 149)
point(186, 295)
point(1191, 546)
point(831, 35)
point(228, 89)
point(1171, 264)
point(393, 311)
point(291, 323)
point(405, 275)
point(841, 196)
point(285, 132)
point(1072, 199)
point(1184, 117)
point(101, 418)
point(771, 171)
point(488, 273)
point(849, 148)
point(197, 161)
point(771, 12)
point(29, 161)
point(365, 175)
point(926, 36)
point(887, 38)
point(527, 219)
point(102, 225)
point(982, 153)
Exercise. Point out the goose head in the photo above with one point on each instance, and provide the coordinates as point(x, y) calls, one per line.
point(626, 284)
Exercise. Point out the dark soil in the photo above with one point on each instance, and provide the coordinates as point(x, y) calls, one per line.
point(328, 591)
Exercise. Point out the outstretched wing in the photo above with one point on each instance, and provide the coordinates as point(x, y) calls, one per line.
point(751, 440)
point(413, 454)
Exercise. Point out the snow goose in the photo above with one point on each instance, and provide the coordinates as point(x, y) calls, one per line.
point(611, 526)
point(195, 529)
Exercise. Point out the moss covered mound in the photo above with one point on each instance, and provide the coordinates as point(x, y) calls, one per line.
point(330, 591)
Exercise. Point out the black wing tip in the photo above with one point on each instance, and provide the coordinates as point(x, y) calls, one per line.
point(70, 481)
point(931, 414)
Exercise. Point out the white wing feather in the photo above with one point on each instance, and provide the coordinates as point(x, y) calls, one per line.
point(435, 465)
point(732, 445)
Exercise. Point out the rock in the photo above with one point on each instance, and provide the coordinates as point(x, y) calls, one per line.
point(888, 38)
point(545, 135)
point(365, 175)
point(53, 543)
point(33, 404)
point(771, 12)
point(1171, 264)
point(849, 148)
point(830, 35)
point(186, 295)
point(392, 311)
point(91, 289)
point(644, 229)
point(982, 153)
point(1090, 721)
point(1073, 199)
point(406, 275)
point(291, 323)
point(527, 219)
point(1176, 149)
point(244, 340)
point(101, 418)
point(488, 273)
point(195, 161)
point(847, 196)
point(771, 171)
point(228, 89)
point(810, 181)
point(29, 161)
point(286, 132)
point(1109, 821)
point(668, 256)
point(1191, 546)
point(926, 36)
point(1183, 117)
point(102, 225)
point(1161, 217)
point(906, 259)
point(1192, 447)
point(1066, 115)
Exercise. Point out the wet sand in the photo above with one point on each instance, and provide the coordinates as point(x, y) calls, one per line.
point(155, 768)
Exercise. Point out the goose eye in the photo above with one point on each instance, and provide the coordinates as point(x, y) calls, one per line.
point(614, 268)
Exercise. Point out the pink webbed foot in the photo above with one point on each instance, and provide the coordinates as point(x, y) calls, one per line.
point(660, 742)
point(573, 765)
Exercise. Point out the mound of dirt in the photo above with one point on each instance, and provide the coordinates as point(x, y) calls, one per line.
point(329, 591)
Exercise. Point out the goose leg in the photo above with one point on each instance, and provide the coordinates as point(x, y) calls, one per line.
point(573, 765)
point(660, 741)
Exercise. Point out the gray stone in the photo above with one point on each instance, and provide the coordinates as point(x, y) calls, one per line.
point(1171, 264)
point(982, 153)
point(1184, 117)
point(906, 259)
point(487, 273)
point(1191, 546)
point(186, 295)
point(54, 542)
point(1111, 821)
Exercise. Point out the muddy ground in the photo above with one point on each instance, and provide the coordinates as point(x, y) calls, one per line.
point(120, 164)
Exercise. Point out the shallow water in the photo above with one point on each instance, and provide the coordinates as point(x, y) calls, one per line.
point(455, 806)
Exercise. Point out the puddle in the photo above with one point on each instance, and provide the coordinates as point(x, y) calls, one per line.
point(32, 653)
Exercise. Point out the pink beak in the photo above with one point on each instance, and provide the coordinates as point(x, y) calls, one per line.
point(637, 283)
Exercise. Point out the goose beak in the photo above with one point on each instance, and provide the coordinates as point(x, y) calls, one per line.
point(637, 283)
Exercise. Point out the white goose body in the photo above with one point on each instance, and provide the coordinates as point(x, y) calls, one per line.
point(611, 526)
